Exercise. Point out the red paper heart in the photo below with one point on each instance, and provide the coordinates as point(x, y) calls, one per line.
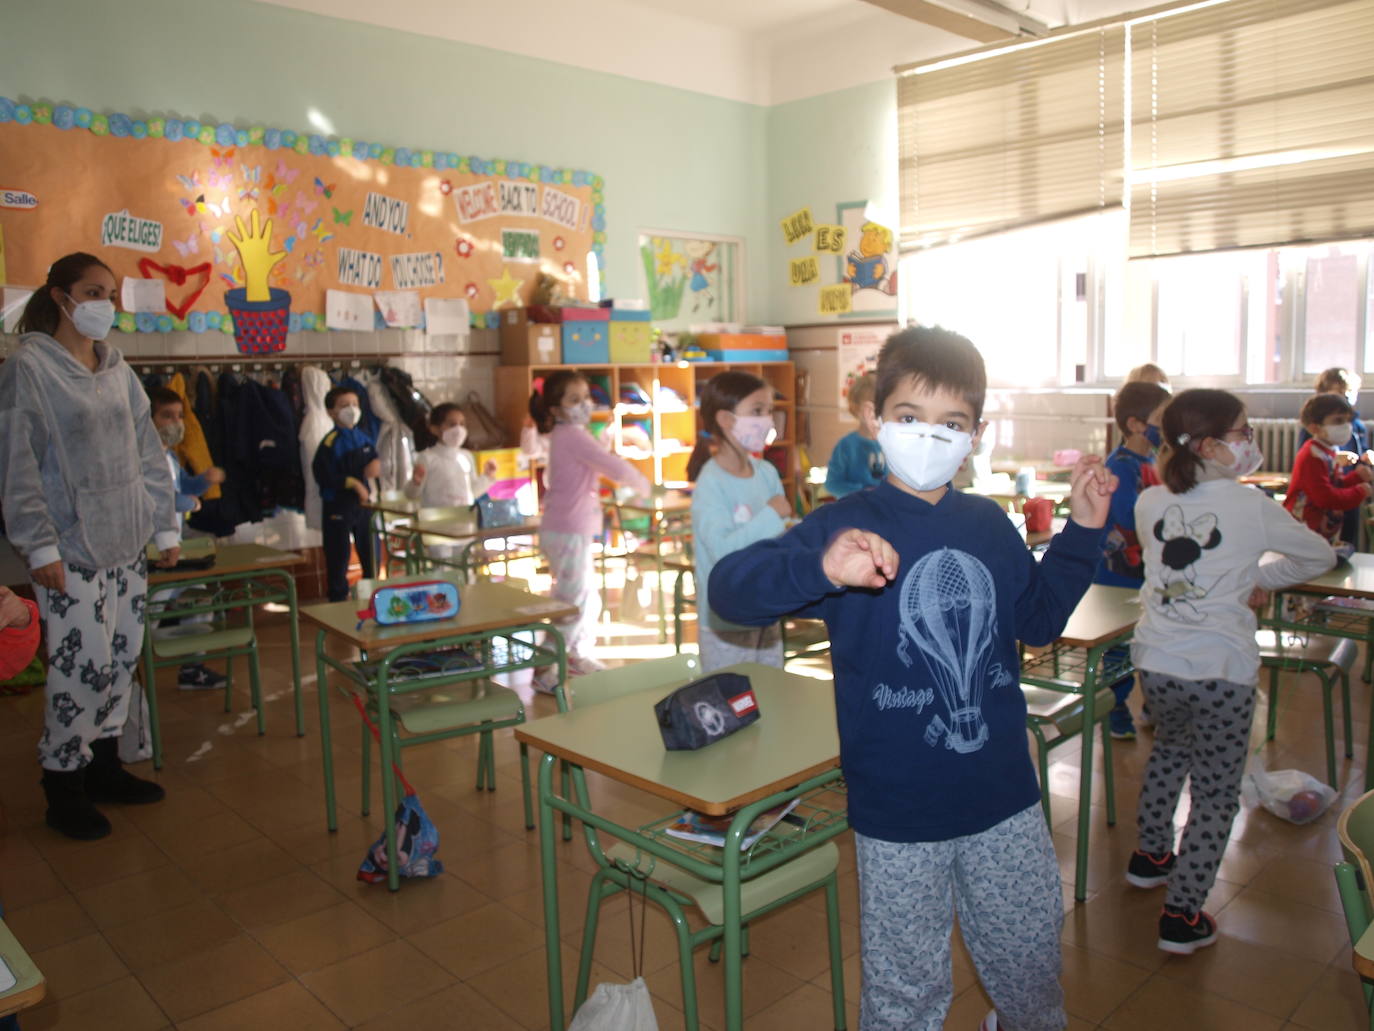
point(177, 275)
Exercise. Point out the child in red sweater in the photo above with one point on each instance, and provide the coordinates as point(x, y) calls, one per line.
point(1327, 482)
point(18, 632)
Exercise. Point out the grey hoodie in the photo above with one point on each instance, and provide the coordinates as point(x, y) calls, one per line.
point(83, 475)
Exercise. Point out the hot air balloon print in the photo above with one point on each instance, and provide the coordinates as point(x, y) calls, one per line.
point(949, 613)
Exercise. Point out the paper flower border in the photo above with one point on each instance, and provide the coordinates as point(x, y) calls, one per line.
point(224, 134)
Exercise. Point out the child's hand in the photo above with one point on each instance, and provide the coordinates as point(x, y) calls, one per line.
point(13, 612)
point(779, 504)
point(1364, 473)
point(373, 469)
point(860, 558)
point(1368, 457)
point(1368, 490)
point(1259, 598)
point(214, 475)
point(418, 476)
point(364, 495)
point(53, 576)
point(1345, 459)
point(1090, 492)
point(489, 469)
point(169, 557)
point(195, 505)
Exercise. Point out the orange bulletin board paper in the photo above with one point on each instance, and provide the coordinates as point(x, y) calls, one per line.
point(165, 208)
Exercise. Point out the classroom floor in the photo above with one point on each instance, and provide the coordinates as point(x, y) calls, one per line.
point(229, 906)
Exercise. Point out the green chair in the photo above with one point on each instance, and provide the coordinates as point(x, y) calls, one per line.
point(1354, 878)
point(1055, 718)
point(454, 710)
point(426, 551)
point(1331, 659)
point(392, 531)
point(673, 888)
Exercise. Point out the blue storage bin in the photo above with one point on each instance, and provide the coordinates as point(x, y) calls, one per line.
point(586, 343)
point(742, 355)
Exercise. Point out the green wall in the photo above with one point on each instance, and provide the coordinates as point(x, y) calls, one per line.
point(671, 159)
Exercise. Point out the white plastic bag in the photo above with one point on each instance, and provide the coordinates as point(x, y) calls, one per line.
point(1289, 794)
point(616, 1007)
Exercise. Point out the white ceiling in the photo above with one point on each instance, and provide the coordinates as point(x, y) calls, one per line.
point(756, 51)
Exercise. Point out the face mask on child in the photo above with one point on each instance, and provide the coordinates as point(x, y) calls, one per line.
point(579, 414)
point(1153, 435)
point(172, 433)
point(1336, 433)
point(349, 415)
point(455, 435)
point(92, 319)
point(752, 432)
point(1246, 458)
point(923, 456)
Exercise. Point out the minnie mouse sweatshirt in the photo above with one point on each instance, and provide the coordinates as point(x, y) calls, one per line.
point(1205, 551)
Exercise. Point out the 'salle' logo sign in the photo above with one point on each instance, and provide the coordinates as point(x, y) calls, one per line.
point(17, 199)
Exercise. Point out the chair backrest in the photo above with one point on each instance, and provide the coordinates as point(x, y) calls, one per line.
point(1355, 828)
point(649, 675)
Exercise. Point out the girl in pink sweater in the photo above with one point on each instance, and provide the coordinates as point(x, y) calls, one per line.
point(572, 507)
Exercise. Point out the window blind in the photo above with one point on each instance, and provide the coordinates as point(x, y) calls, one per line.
point(1252, 124)
point(1012, 136)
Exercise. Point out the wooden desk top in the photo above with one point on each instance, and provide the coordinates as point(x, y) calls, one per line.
point(467, 530)
point(1353, 580)
point(794, 738)
point(30, 986)
point(229, 558)
point(485, 607)
point(659, 503)
point(1104, 613)
point(396, 506)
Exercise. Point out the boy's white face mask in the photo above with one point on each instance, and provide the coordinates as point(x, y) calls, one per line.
point(922, 456)
point(349, 416)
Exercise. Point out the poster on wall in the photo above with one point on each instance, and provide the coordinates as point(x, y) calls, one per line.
point(690, 278)
point(867, 262)
point(257, 225)
point(858, 353)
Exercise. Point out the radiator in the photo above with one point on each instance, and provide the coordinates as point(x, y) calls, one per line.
point(1278, 439)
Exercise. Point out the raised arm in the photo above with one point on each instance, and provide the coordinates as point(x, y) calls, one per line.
point(1294, 553)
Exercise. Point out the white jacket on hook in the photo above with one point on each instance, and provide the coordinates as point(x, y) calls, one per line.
point(314, 425)
point(395, 442)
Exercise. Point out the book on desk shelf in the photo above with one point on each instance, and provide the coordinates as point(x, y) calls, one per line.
point(710, 830)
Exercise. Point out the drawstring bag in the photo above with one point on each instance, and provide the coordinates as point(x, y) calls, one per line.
point(417, 839)
point(622, 1007)
point(484, 432)
point(1290, 795)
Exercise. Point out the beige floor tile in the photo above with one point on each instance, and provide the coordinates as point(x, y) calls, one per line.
point(295, 894)
point(478, 940)
point(1095, 984)
point(240, 865)
point(796, 939)
point(212, 978)
point(186, 842)
point(77, 966)
point(806, 1009)
point(1307, 881)
point(1162, 1002)
point(171, 935)
point(109, 860)
point(519, 988)
point(1265, 919)
point(286, 1006)
point(49, 923)
point(311, 942)
point(437, 1010)
point(764, 984)
point(1258, 976)
point(30, 883)
point(420, 903)
point(138, 897)
point(1335, 1001)
point(372, 983)
point(121, 1005)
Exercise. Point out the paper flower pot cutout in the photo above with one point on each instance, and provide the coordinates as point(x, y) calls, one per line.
point(259, 326)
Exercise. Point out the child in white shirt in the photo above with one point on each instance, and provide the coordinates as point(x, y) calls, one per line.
point(446, 474)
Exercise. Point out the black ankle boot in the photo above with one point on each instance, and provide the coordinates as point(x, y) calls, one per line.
point(108, 781)
point(69, 807)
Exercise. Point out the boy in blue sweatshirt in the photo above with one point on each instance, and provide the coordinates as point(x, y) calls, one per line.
point(926, 592)
point(857, 461)
point(1138, 407)
point(345, 460)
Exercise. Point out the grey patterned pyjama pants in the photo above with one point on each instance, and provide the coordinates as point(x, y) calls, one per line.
point(95, 637)
point(1202, 732)
point(1004, 883)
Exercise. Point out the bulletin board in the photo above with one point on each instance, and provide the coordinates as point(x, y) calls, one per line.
point(187, 201)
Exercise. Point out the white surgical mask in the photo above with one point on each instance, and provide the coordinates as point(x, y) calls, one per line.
point(92, 319)
point(349, 415)
point(455, 435)
point(172, 433)
point(1247, 458)
point(753, 432)
point(579, 414)
point(1337, 433)
point(923, 456)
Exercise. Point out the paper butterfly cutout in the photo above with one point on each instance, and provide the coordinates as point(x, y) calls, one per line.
point(343, 218)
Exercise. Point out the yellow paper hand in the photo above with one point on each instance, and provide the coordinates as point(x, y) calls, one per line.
point(256, 255)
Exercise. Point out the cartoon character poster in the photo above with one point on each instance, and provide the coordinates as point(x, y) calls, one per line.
point(869, 264)
point(689, 278)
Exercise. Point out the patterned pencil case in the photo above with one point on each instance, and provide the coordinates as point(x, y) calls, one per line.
point(415, 602)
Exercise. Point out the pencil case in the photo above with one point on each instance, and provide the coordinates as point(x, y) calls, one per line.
point(415, 602)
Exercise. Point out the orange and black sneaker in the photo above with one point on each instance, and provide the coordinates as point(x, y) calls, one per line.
point(1147, 870)
point(1183, 934)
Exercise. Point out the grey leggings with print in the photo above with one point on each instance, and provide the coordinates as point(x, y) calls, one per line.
point(1202, 732)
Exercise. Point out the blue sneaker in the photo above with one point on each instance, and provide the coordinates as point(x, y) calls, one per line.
point(1120, 724)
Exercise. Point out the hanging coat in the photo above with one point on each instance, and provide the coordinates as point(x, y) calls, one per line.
point(395, 443)
point(314, 425)
point(193, 452)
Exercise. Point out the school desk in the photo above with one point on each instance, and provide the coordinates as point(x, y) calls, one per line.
point(242, 577)
point(1091, 652)
point(465, 532)
point(489, 614)
point(28, 987)
point(792, 751)
point(668, 516)
point(1353, 580)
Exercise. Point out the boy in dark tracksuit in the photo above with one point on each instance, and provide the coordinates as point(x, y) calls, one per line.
point(345, 460)
point(926, 592)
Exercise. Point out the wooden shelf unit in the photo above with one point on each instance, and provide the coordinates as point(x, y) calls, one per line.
point(667, 428)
